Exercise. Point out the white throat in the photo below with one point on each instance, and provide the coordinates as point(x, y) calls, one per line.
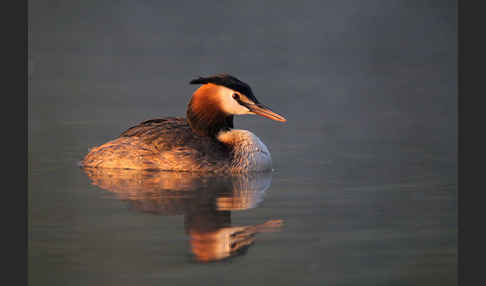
point(228, 104)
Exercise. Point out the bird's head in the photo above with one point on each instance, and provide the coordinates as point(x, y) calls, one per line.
point(220, 97)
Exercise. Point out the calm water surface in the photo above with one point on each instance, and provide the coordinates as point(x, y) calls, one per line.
point(353, 213)
point(364, 190)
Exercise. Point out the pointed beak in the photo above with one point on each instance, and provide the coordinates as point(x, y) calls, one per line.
point(262, 110)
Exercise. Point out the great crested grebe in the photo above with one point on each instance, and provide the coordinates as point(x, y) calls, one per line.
point(204, 141)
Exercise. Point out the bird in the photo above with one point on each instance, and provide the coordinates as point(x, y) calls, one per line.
point(204, 141)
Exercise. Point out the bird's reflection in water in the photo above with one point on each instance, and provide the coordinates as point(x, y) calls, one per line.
point(206, 201)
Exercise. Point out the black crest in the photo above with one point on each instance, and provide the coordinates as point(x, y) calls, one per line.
point(228, 81)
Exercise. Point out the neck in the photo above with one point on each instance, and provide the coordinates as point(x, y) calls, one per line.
point(204, 115)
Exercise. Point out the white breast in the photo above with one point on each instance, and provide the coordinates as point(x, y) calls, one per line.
point(249, 152)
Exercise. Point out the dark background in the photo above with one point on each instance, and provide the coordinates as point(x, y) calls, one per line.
point(348, 70)
point(369, 89)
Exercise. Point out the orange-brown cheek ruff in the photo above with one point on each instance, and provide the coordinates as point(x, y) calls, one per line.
point(205, 114)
